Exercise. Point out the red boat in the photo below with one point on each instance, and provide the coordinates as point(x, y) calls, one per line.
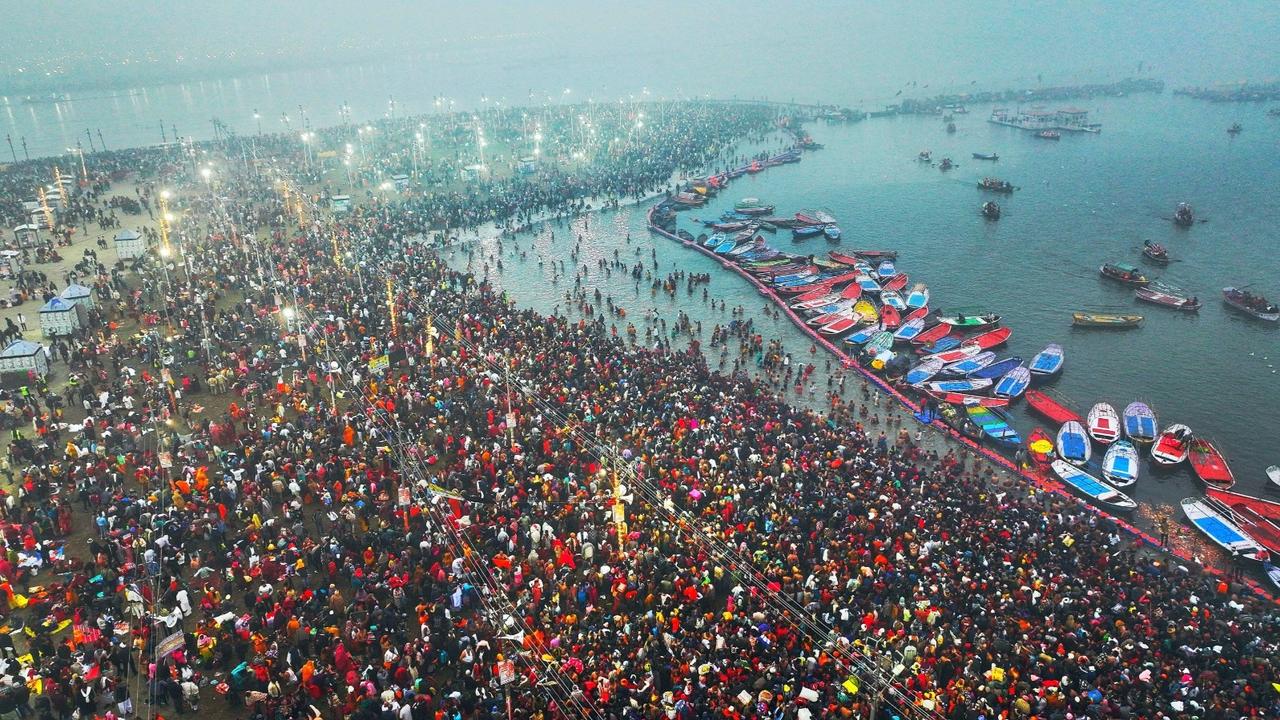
point(895, 283)
point(808, 219)
point(842, 258)
point(932, 335)
point(890, 316)
point(917, 314)
point(1040, 446)
point(1209, 465)
point(852, 291)
point(1256, 516)
point(1049, 406)
point(963, 399)
point(993, 338)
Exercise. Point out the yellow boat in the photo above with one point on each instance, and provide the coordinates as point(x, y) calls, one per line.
point(866, 311)
point(1086, 319)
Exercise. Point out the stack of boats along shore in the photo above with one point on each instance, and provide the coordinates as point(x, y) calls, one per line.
point(883, 320)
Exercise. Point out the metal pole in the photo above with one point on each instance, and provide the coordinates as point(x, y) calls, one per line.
point(9, 138)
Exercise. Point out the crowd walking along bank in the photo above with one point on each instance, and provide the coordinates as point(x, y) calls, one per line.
point(291, 465)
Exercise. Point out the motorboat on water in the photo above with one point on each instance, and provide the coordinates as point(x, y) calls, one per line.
point(1251, 304)
point(991, 210)
point(1183, 215)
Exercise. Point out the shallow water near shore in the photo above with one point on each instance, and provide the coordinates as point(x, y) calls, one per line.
point(1084, 200)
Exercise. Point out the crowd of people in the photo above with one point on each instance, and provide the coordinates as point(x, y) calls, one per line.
point(316, 473)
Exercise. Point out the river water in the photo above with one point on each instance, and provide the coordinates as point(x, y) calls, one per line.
point(1084, 200)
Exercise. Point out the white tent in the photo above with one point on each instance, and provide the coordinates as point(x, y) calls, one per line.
point(79, 295)
point(59, 317)
point(130, 244)
point(24, 356)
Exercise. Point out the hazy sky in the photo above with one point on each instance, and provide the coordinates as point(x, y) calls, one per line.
point(898, 41)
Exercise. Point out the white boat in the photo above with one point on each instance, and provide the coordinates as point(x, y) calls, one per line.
point(1073, 444)
point(1273, 573)
point(1091, 487)
point(1120, 464)
point(1216, 522)
point(919, 296)
point(1172, 445)
point(1273, 474)
point(1104, 423)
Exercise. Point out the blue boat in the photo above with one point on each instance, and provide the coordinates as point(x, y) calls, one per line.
point(1092, 488)
point(886, 270)
point(714, 240)
point(832, 232)
point(999, 368)
point(1216, 521)
point(994, 424)
point(868, 284)
point(1140, 423)
point(958, 386)
point(1073, 443)
point(1048, 361)
point(864, 334)
point(1013, 384)
point(1120, 464)
point(970, 364)
point(909, 330)
point(924, 371)
point(726, 246)
point(942, 345)
point(806, 231)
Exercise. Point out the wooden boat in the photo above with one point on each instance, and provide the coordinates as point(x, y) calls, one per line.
point(1050, 407)
point(969, 320)
point(1092, 488)
point(806, 231)
point(932, 335)
point(1212, 520)
point(1273, 474)
point(1040, 446)
point(1272, 572)
point(1125, 273)
point(991, 184)
point(1104, 320)
point(1155, 252)
point(852, 291)
point(1048, 362)
point(1251, 304)
point(807, 219)
point(858, 256)
point(918, 297)
point(970, 400)
point(945, 344)
point(886, 269)
point(990, 210)
point(1120, 464)
point(1167, 299)
point(909, 330)
point(999, 368)
point(895, 283)
point(867, 311)
point(832, 233)
point(954, 416)
point(1073, 444)
point(958, 351)
point(878, 343)
point(893, 300)
point(868, 284)
point(815, 299)
point(1013, 384)
point(970, 364)
point(1183, 215)
point(1049, 135)
point(1103, 423)
point(986, 156)
point(714, 239)
point(995, 425)
point(1140, 423)
point(923, 371)
point(842, 325)
point(957, 386)
point(992, 338)
point(842, 311)
point(1209, 465)
point(1258, 517)
point(865, 334)
point(891, 317)
point(1172, 445)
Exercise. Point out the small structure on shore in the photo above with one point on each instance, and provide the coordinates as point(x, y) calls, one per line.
point(59, 317)
point(131, 244)
point(24, 356)
point(78, 294)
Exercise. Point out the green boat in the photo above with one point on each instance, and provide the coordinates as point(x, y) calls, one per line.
point(878, 343)
point(970, 318)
